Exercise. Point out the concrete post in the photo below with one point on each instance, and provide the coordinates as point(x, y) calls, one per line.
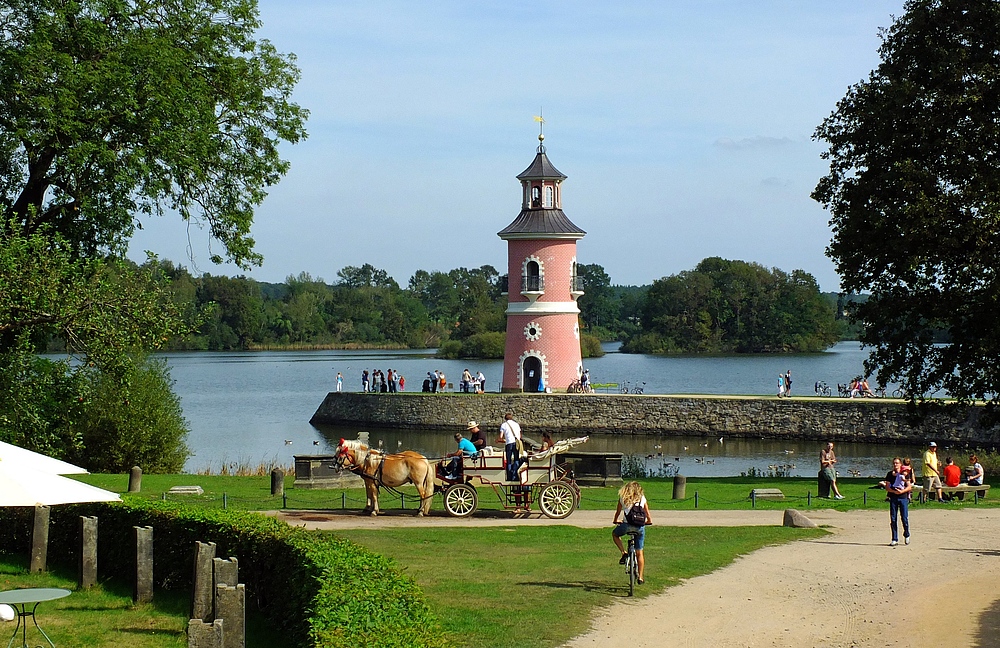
point(135, 480)
point(226, 571)
point(230, 606)
point(143, 592)
point(277, 482)
point(40, 540)
point(205, 635)
point(203, 597)
point(680, 486)
point(88, 551)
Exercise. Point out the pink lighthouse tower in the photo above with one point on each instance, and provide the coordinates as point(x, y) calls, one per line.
point(543, 325)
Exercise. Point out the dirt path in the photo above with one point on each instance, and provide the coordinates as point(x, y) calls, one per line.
point(846, 589)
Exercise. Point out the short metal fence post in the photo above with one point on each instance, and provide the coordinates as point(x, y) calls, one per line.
point(864, 497)
point(753, 498)
point(343, 501)
point(402, 502)
point(225, 501)
point(809, 498)
point(284, 500)
point(696, 499)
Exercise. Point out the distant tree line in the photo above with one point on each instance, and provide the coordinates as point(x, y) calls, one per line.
point(719, 307)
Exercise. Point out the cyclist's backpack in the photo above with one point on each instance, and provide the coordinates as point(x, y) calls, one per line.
point(636, 515)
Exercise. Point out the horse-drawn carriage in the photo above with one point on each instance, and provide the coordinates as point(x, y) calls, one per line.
point(540, 479)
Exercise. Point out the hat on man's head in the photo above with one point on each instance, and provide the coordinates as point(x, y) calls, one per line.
point(472, 424)
point(932, 444)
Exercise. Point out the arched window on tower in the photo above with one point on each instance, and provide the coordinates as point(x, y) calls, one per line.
point(536, 196)
point(532, 278)
point(549, 197)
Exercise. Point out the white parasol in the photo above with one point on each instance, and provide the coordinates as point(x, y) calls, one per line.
point(28, 459)
point(21, 486)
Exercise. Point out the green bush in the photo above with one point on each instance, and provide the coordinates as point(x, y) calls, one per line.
point(450, 350)
point(134, 420)
point(320, 590)
point(590, 346)
point(484, 345)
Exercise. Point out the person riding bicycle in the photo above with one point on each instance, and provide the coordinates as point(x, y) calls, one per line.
point(631, 495)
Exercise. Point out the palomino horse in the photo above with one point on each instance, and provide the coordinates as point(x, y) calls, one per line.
point(380, 469)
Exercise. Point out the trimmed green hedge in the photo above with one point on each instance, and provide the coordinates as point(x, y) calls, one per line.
point(323, 591)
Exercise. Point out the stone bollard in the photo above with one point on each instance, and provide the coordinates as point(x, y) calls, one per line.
point(680, 486)
point(40, 540)
point(205, 635)
point(824, 486)
point(143, 592)
point(88, 552)
point(230, 606)
point(277, 482)
point(203, 597)
point(135, 480)
point(225, 571)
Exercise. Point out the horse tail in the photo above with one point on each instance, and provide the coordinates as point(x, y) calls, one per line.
point(428, 487)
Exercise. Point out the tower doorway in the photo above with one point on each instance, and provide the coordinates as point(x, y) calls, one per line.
point(531, 373)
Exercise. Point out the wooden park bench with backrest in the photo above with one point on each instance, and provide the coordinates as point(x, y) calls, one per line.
point(961, 489)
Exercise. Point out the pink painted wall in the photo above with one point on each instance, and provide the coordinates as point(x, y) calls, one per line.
point(558, 345)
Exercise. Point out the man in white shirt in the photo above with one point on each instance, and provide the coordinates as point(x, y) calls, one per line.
point(510, 434)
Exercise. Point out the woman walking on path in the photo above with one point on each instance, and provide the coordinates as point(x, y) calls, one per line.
point(898, 487)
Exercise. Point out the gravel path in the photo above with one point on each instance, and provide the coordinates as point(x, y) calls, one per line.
point(846, 589)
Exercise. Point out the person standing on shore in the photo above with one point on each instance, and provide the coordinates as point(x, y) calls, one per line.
point(827, 459)
point(788, 383)
point(898, 487)
point(781, 385)
point(340, 382)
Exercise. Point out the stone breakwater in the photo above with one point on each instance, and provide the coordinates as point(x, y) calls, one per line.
point(868, 420)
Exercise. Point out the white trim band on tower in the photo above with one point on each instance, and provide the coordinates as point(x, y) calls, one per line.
point(542, 308)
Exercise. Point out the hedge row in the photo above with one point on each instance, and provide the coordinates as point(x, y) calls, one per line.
point(322, 591)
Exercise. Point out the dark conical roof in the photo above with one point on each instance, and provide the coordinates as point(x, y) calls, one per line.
point(541, 168)
point(540, 224)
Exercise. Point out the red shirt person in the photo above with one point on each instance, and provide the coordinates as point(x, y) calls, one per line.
point(952, 473)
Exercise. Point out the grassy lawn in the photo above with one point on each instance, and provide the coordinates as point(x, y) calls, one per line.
point(714, 493)
point(525, 587)
point(105, 616)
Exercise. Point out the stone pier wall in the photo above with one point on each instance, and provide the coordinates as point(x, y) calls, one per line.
point(867, 420)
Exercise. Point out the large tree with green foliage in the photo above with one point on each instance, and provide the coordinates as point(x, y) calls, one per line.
point(116, 108)
point(914, 197)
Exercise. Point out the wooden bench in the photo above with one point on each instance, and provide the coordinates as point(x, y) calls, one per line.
point(961, 488)
point(767, 494)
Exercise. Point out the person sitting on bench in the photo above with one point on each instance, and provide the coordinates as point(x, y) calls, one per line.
point(952, 475)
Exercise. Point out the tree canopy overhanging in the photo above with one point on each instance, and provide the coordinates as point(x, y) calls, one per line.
point(914, 198)
point(114, 109)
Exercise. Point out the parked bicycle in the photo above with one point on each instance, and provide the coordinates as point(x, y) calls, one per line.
point(637, 388)
point(822, 389)
point(901, 393)
point(575, 387)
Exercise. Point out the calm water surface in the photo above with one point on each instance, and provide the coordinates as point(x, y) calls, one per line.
point(255, 407)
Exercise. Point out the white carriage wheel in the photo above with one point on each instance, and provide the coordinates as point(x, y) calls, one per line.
point(557, 500)
point(460, 500)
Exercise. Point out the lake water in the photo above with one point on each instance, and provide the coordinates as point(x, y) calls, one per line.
point(254, 407)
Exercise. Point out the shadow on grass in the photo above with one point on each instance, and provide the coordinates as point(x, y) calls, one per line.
point(587, 586)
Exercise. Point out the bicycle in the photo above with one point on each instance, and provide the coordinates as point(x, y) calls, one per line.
point(901, 393)
point(822, 389)
point(638, 388)
point(575, 387)
point(880, 392)
point(631, 562)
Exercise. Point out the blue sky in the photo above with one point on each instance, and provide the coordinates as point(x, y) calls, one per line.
point(684, 127)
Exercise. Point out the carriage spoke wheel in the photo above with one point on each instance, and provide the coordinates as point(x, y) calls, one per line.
point(460, 500)
point(557, 500)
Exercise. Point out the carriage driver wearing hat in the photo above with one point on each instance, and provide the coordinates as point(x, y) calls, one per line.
point(465, 449)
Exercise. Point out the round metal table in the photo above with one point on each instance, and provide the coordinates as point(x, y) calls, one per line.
point(23, 598)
